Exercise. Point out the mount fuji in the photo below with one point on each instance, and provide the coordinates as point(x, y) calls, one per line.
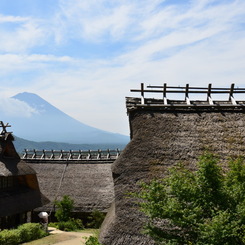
point(47, 123)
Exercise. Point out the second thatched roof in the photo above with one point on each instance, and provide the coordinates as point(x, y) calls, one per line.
point(89, 184)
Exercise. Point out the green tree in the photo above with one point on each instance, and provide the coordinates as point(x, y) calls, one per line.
point(206, 206)
point(65, 207)
point(96, 219)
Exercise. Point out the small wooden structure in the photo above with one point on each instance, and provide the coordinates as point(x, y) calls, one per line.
point(166, 103)
point(102, 156)
point(19, 189)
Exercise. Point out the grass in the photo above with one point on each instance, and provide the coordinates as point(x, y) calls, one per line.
point(51, 239)
point(60, 237)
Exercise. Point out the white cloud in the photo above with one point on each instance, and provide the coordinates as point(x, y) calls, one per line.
point(198, 42)
point(92, 20)
point(12, 19)
point(10, 107)
point(25, 34)
point(22, 63)
point(131, 21)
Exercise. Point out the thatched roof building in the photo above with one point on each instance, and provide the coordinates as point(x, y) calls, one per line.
point(165, 132)
point(19, 189)
point(88, 183)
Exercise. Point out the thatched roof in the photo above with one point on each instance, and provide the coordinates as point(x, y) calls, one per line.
point(13, 167)
point(20, 200)
point(10, 162)
point(89, 184)
point(20, 191)
point(161, 138)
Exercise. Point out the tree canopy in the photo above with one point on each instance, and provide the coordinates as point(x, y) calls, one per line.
point(206, 206)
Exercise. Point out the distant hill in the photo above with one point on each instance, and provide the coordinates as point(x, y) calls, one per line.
point(51, 124)
point(21, 144)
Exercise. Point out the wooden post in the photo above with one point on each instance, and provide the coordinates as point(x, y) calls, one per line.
point(231, 98)
point(34, 154)
point(89, 155)
point(142, 94)
point(80, 155)
point(43, 155)
point(70, 155)
point(165, 100)
point(188, 102)
point(99, 154)
point(25, 154)
point(108, 154)
point(52, 155)
point(4, 127)
point(209, 94)
point(118, 153)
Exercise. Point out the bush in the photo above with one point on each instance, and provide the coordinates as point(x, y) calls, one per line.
point(96, 218)
point(202, 207)
point(10, 237)
point(25, 233)
point(65, 207)
point(92, 241)
point(31, 231)
point(70, 225)
point(53, 224)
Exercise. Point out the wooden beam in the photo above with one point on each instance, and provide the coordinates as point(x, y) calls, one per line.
point(231, 98)
point(165, 100)
point(4, 127)
point(142, 94)
point(209, 94)
point(188, 102)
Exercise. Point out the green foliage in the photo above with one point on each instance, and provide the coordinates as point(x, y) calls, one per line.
point(70, 225)
point(9, 237)
point(95, 219)
point(25, 233)
point(31, 231)
point(92, 240)
point(65, 207)
point(202, 207)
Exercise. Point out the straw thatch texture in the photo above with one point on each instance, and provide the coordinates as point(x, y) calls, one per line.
point(89, 185)
point(161, 139)
point(19, 190)
point(20, 201)
point(14, 167)
point(10, 162)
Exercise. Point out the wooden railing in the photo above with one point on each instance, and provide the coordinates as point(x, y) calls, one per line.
point(72, 155)
point(187, 90)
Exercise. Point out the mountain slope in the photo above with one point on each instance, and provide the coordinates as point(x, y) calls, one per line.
point(22, 144)
point(48, 123)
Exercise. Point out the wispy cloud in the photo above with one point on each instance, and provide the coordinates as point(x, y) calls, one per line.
point(10, 107)
point(12, 19)
point(128, 42)
point(19, 35)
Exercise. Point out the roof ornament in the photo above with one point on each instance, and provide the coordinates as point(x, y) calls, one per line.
point(4, 127)
point(164, 102)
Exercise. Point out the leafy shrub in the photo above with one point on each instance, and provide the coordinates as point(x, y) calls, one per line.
point(92, 241)
point(96, 218)
point(25, 233)
point(70, 225)
point(202, 207)
point(65, 207)
point(10, 237)
point(31, 231)
point(53, 224)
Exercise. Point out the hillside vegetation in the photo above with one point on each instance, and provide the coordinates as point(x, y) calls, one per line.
point(21, 144)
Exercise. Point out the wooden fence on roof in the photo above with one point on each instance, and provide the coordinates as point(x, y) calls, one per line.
point(72, 155)
point(187, 90)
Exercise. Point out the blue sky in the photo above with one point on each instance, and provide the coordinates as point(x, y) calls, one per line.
point(85, 56)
